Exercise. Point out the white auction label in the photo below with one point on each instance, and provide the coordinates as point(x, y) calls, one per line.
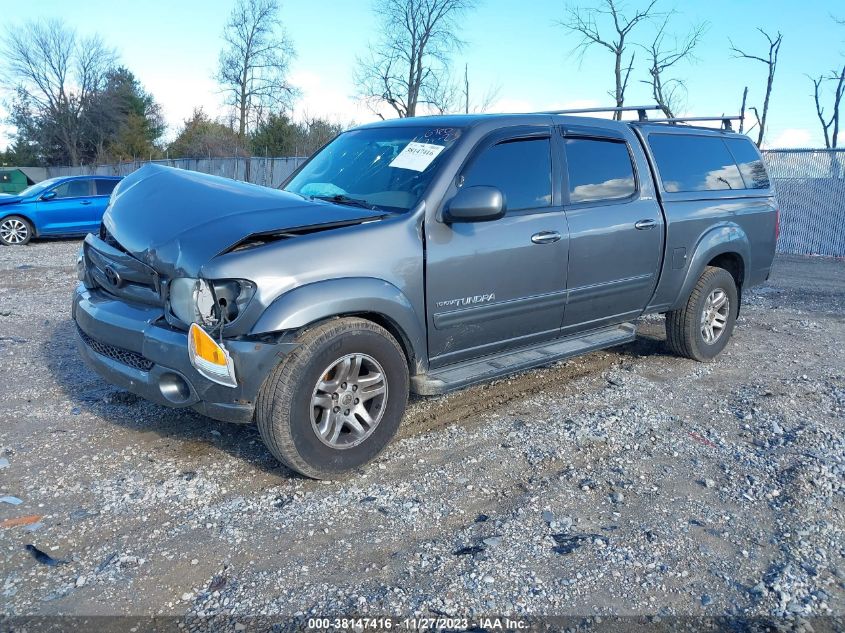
point(416, 156)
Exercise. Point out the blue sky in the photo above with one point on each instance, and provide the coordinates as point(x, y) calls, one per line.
point(173, 47)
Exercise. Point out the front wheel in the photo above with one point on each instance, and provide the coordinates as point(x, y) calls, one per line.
point(15, 231)
point(336, 401)
point(702, 328)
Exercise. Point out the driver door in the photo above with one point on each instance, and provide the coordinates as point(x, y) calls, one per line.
point(68, 211)
point(500, 284)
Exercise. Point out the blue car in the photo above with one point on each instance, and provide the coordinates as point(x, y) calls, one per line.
point(55, 208)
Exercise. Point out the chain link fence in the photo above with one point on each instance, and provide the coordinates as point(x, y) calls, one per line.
point(270, 172)
point(810, 186)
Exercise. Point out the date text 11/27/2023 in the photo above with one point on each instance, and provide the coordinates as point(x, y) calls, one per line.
point(416, 624)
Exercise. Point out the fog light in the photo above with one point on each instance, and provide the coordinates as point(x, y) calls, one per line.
point(174, 388)
point(209, 358)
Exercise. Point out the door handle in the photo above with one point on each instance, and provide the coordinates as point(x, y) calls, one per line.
point(85, 202)
point(545, 237)
point(642, 225)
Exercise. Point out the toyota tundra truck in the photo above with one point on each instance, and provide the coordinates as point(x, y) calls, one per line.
point(418, 255)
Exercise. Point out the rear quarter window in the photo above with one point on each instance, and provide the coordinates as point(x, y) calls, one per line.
point(694, 163)
point(105, 187)
point(750, 164)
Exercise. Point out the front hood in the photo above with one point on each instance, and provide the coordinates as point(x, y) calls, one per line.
point(176, 220)
point(5, 198)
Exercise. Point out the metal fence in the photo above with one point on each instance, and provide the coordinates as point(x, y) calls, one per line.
point(810, 186)
point(269, 172)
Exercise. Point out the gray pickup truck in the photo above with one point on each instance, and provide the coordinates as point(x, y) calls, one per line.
point(424, 255)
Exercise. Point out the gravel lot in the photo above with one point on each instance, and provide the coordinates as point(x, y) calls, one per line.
point(625, 482)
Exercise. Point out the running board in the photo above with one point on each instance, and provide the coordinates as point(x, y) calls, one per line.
point(478, 370)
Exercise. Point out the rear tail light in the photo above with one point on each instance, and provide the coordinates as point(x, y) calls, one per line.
point(777, 224)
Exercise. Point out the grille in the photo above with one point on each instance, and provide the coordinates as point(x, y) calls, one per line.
point(132, 359)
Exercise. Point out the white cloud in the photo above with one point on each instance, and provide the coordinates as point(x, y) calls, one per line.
point(792, 137)
point(327, 99)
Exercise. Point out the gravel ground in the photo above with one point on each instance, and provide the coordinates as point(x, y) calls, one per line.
point(626, 482)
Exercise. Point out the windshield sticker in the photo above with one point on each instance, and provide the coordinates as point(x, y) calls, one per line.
point(416, 156)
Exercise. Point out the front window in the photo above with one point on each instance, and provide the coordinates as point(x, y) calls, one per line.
point(73, 189)
point(520, 168)
point(384, 168)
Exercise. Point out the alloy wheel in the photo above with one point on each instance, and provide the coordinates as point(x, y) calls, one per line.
point(714, 317)
point(13, 231)
point(349, 401)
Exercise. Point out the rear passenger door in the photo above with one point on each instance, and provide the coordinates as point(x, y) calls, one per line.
point(615, 228)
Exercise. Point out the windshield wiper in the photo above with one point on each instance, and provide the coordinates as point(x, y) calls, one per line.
point(352, 202)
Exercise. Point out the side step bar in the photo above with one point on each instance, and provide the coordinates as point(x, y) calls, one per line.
point(470, 372)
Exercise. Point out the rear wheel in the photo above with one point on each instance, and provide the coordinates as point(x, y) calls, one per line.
point(336, 401)
point(15, 230)
point(702, 328)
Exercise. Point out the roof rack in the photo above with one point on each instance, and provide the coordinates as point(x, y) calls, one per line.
point(726, 120)
point(641, 110)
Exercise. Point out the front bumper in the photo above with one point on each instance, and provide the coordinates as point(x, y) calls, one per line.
point(133, 347)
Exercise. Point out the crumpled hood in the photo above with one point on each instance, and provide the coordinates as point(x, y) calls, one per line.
point(176, 220)
point(6, 198)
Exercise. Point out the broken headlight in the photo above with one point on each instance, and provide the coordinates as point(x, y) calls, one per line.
point(209, 302)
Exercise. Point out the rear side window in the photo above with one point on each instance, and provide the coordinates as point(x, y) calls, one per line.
point(598, 170)
point(750, 165)
point(521, 169)
point(74, 189)
point(105, 187)
point(694, 163)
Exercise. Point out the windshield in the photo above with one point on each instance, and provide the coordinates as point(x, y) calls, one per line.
point(39, 187)
point(387, 168)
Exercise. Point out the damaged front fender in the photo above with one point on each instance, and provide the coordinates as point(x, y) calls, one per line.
point(344, 297)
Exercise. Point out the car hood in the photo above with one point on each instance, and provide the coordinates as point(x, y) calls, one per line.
point(6, 198)
point(176, 220)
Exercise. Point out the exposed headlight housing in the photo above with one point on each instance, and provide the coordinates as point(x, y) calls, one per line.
point(208, 302)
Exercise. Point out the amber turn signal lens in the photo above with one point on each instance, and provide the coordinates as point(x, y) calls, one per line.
point(209, 357)
point(205, 347)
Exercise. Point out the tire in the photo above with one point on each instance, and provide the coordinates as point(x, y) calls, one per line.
point(686, 334)
point(289, 421)
point(15, 230)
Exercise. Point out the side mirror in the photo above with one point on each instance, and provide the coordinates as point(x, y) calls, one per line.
point(49, 195)
point(475, 204)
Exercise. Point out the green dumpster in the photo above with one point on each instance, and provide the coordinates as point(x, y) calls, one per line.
point(14, 181)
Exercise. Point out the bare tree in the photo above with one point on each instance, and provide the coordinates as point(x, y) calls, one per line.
point(57, 73)
point(771, 62)
point(254, 62)
point(585, 22)
point(830, 126)
point(742, 110)
point(441, 93)
point(663, 53)
point(409, 64)
point(486, 100)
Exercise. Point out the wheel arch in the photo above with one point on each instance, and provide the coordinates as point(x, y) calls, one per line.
point(368, 298)
point(21, 214)
point(726, 247)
